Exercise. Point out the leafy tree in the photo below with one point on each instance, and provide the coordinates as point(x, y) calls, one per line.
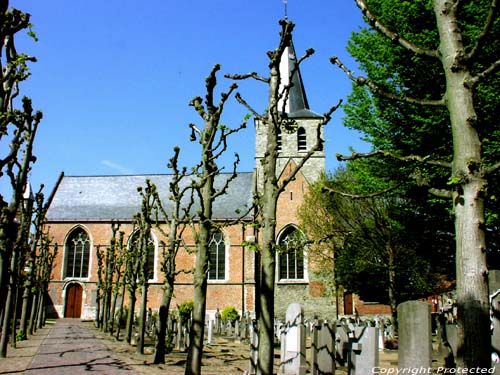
point(379, 245)
point(273, 120)
point(432, 73)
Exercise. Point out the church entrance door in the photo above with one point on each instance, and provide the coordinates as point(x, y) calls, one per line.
point(73, 301)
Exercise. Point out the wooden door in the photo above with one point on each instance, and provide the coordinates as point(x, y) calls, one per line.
point(73, 301)
point(348, 304)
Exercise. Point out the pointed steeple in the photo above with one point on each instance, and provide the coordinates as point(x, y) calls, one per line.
point(296, 104)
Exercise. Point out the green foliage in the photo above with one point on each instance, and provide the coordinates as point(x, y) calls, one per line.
point(230, 313)
point(361, 240)
point(409, 129)
point(21, 336)
point(185, 309)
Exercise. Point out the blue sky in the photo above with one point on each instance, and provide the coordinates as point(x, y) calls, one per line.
point(114, 78)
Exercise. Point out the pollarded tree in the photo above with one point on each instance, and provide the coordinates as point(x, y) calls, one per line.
point(213, 140)
point(40, 210)
point(108, 274)
point(178, 220)
point(145, 248)
point(452, 53)
point(274, 121)
point(18, 129)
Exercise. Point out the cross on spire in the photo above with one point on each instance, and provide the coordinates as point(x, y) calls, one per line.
point(285, 2)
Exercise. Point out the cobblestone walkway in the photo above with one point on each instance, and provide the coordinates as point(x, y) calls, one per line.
point(70, 348)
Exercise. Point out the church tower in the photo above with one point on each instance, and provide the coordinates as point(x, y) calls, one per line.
point(300, 133)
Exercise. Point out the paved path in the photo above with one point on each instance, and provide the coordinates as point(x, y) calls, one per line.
point(70, 348)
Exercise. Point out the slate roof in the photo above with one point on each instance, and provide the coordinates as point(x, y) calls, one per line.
point(106, 198)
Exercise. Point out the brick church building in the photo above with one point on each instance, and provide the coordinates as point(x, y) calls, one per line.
point(82, 209)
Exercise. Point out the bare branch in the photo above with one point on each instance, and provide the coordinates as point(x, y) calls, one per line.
point(247, 106)
point(408, 158)
point(486, 30)
point(441, 193)
point(372, 19)
point(362, 81)
point(254, 75)
point(326, 189)
point(495, 167)
point(470, 83)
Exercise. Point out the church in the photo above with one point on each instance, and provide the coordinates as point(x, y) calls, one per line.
point(82, 209)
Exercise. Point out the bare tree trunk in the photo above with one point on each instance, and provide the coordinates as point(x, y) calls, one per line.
point(34, 309)
point(130, 318)
point(392, 288)
point(9, 307)
point(162, 322)
point(142, 318)
point(122, 302)
point(470, 187)
point(193, 365)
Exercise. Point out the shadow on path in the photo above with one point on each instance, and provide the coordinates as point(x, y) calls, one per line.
point(70, 348)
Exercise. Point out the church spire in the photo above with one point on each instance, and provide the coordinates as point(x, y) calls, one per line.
point(296, 104)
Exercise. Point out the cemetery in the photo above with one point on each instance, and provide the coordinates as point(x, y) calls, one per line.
point(425, 343)
point(277, 265)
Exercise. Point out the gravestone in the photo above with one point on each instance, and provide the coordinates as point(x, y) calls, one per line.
point(415, 336)
point(254, 347)
point(178, 341)
point(210, 333)
point(342, 344)
point(218, 321)
point(294, 348)
point(323, 349)
point(236, 328)
point(364, 351)
point(243, 328)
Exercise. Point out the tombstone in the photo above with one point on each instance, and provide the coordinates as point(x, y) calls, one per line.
point(415, 336)
point(210, 331)
point(452, 337)
point(243, 328)
point(178, 336)
point(187, 336)
point(254, 347)
point(229, 329)
point(494, 286)
point(323, 349)
point(218, 321)
point(364, 351)
point(294, 353)
point(381, 338)
point(342, 344)
point(236, 328)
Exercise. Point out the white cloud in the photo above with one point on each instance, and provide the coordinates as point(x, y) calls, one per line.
point(117, 167)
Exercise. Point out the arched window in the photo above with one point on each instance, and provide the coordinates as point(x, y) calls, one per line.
point(77, 249)
point(279, 140)
point(217, 257)
point(301, 139)
point(291, 255)
point(150, 260)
